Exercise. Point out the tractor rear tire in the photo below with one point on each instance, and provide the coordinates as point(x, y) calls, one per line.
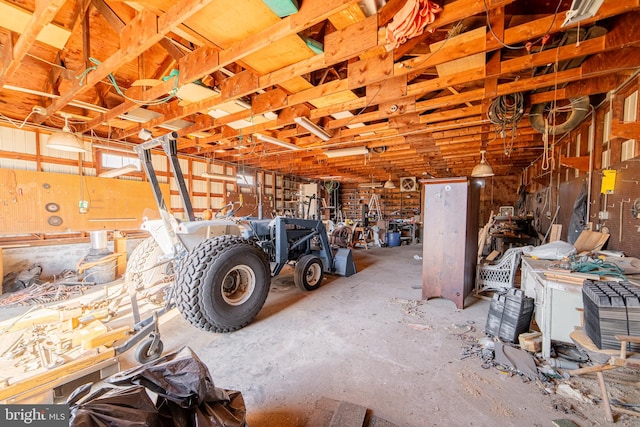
point(222, 284)
point(308, 273)
point(139, 272)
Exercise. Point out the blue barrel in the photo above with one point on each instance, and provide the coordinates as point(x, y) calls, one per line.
point(393, 238)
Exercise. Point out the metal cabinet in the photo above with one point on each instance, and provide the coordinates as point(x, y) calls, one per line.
point(450, 238)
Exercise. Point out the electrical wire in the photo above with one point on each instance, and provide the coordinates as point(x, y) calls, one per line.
point(14, 122)
point(545, 150)
point(527, 45)
point(547, 160)
point(506, 111)
point(112, 80)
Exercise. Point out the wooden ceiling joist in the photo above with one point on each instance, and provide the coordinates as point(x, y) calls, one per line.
point(42, 16)
point(425, 101)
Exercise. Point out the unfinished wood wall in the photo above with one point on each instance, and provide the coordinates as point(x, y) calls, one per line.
point(607, 139)
point(25, 151)
point(44, 202)
point(495, 192)
point(625, 236)
point(394, 203)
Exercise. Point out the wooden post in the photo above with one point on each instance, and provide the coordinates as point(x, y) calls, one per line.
point(556, 230)
point(605, 396)
point(120, 248)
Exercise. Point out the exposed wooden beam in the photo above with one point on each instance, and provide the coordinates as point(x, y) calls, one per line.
point(201, 62)
point(45, 11)
point(118, 24)
point(510, 66)
point(136, 37)
point(456, 11)
point(625, 130)
point(207, 60)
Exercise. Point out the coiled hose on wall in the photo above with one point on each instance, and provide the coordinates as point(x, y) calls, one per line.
point(538, 113)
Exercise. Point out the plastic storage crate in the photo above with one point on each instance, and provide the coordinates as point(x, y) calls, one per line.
point(610, 309)
point(509, 315)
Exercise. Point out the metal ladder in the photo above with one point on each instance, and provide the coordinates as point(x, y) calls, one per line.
point(374, 206)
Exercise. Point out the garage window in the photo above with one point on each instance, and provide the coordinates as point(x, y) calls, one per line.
point(111, 161)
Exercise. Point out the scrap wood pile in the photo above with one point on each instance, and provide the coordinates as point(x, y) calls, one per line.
point(44, 339)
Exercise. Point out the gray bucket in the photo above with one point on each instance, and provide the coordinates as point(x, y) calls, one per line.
point(99, 240)
point(104, 272)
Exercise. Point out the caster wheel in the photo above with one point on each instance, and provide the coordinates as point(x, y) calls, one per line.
point(143, 351)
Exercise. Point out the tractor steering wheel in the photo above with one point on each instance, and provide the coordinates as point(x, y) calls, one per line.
point(228, 210)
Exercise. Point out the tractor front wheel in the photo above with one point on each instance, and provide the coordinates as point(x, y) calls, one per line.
point(308, 273)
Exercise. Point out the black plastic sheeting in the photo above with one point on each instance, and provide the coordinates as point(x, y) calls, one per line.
point(186, 397)
point(578, 219)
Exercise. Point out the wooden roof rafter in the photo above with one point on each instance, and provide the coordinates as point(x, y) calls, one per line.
point(405, 99)
point(335, 87)
point(43, 15)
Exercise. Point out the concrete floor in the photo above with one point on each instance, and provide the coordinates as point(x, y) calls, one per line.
point(370, 340)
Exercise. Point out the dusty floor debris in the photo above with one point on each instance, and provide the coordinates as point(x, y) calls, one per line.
point(351, 340)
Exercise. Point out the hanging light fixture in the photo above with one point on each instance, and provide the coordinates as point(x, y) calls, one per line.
point(313, 128)
point(581, 10)
point(346, 152)
point(276, 141)
point(65, 140)
point(483, 169)
point(389, 183)
point(220, 176)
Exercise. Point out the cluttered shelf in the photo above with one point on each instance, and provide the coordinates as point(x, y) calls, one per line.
point(388, 204)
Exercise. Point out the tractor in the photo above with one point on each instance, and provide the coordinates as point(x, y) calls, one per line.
point(223, 266)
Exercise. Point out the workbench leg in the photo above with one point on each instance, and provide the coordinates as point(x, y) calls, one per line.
point(546, 329)
point(605, 396)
